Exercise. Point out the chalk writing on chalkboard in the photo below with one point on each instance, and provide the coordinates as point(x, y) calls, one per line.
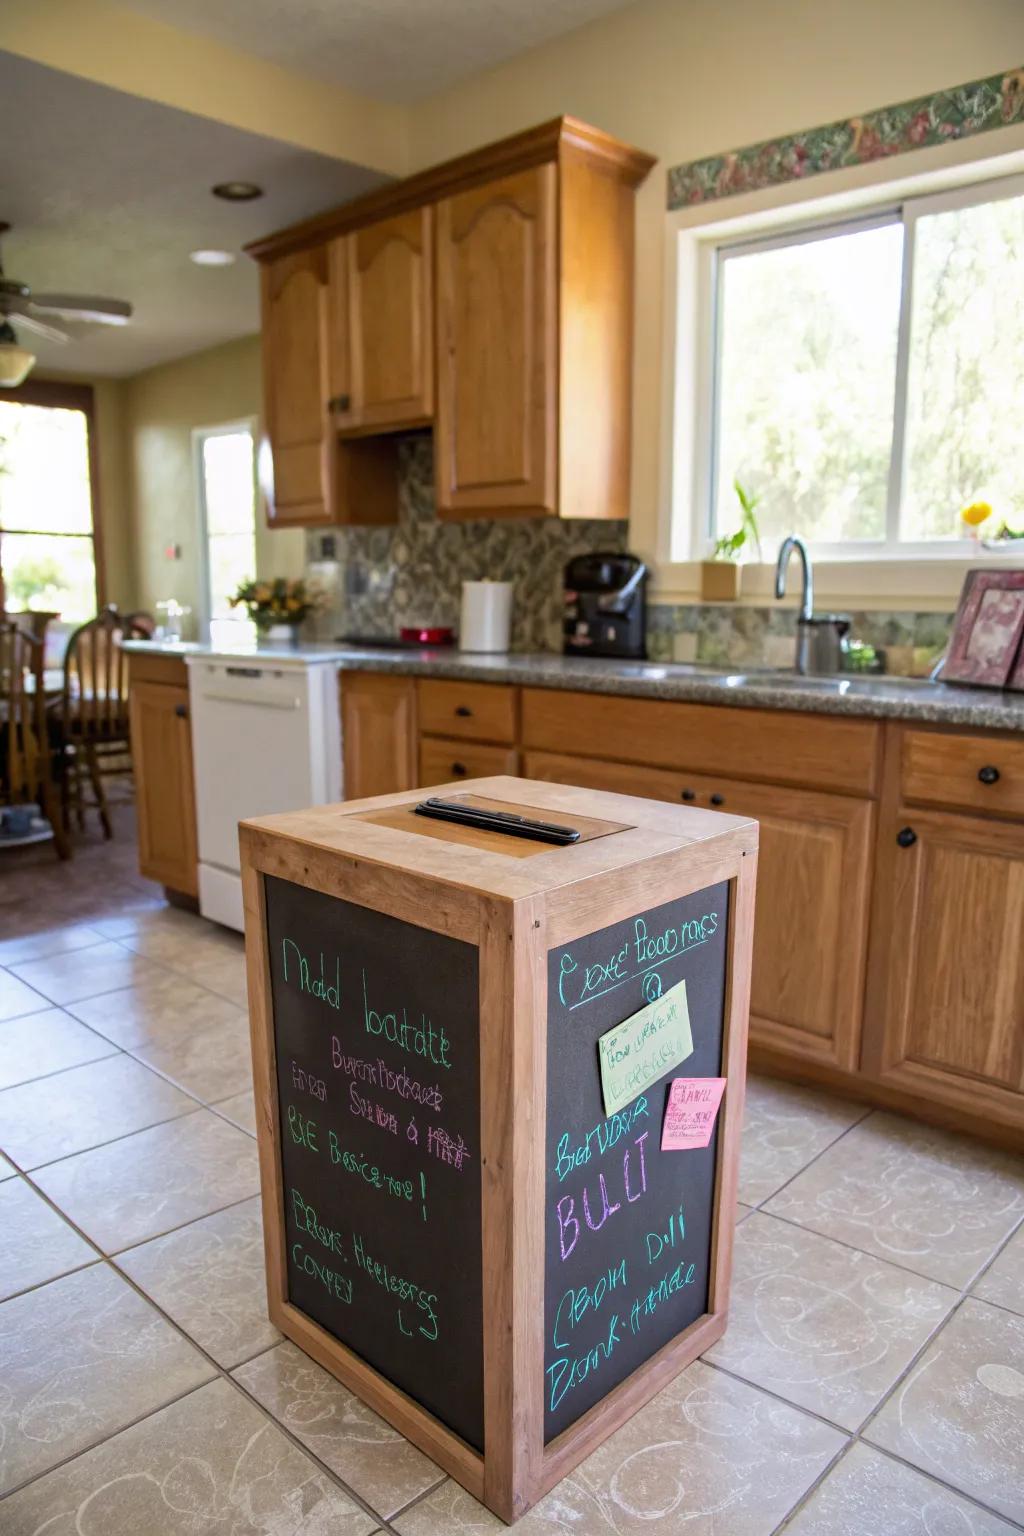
point(376, 1031)
point(691, 1113)
point(644, 1047)
point(628, 1226)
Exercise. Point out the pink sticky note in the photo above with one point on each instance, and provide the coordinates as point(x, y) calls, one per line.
point(692, 1108)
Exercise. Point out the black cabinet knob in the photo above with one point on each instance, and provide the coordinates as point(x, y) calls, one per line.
point(906, 837)
point(339, 403)
point(458, 768)
point(181, 710)
point(717, 799)
point(688, 794)
point(463, 710)
point(988, 775)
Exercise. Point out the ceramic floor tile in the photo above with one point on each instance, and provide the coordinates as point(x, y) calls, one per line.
point(124, 925)
point(936, 1203)
point(213, 1063)
point(80, 1358)
point(784, 1126)
point(17, 997)
point(709, 1457)
point(209, 1465)
point(868, 1492)
point(51, 940)
point(164, 1009)
point(960, 1413)
point(1003, 1283)
point(224, 975)
point(822, 1325)
point(209, 1277)
point(146, 1184)
point(41, 1043)
point(370, 1457)
point(183, 946)
point(86, 972)
point(7, 1170)
point(57, 1116)
point(36, 1244)
point(241, 1110)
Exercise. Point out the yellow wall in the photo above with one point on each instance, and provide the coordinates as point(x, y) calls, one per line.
point(163, 406)
point(688, 78)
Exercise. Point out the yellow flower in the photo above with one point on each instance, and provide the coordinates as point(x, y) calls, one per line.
point(976, 513)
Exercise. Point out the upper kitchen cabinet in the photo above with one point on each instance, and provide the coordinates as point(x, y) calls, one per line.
point(502, 283)
point(382, 325)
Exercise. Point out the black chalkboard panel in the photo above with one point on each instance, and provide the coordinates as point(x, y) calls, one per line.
point(627, 1226)
point(376, 1028)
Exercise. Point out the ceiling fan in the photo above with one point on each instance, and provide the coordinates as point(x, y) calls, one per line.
point(36, 314)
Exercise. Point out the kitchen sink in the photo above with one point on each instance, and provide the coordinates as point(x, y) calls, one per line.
point(847, 685)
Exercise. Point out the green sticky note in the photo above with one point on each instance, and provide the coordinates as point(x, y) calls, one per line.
point(644, 1047)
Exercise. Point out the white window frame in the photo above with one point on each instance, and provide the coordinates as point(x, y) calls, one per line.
point(693, 538)
point(199, 437)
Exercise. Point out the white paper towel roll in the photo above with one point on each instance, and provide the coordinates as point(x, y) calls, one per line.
point(486, 616)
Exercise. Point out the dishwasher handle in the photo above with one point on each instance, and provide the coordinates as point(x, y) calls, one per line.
point(257, 702)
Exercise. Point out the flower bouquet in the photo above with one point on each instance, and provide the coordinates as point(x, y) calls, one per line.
point(280, 604)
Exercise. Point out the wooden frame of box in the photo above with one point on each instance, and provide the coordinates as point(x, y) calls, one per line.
point(514, 909)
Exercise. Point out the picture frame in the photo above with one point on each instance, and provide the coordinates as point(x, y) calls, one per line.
point(987, 630)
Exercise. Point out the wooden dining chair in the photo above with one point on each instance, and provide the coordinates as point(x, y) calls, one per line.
point(27, 759)
point(93, 720)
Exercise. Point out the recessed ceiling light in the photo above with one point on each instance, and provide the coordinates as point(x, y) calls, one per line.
point(212, 258)
point(237, 191)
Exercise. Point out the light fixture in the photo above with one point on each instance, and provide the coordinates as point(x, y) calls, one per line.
point(237, 191)
point(16, 362)
point(212, 258)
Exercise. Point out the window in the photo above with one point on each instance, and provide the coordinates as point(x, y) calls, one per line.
point(866, 381)
point(48, 556)
point(227, 509)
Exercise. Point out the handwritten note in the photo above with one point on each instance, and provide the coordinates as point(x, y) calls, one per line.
point(692, 1109)
point(644, 1047)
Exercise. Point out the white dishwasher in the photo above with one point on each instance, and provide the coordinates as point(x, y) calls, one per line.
point(266, 737)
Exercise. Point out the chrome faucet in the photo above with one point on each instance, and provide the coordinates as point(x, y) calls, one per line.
point(821, 638)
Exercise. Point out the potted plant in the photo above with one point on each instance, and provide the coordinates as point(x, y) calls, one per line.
point(721, 576)
point(277, 607)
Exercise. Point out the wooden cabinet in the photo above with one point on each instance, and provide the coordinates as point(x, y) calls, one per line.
point(945, 1008)
point(381, 302)
point(164, 788)
point(443, 761)
point(295, 468)
point(814, 866)
point(473, 711)
point(496, 442)
point(378, 734)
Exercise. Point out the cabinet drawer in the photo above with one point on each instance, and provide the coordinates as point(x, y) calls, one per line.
point(776, 746)
point(441, 761)
point(470, 711)
point(977, 773)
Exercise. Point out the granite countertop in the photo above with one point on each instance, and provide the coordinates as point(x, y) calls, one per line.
point(879, 698)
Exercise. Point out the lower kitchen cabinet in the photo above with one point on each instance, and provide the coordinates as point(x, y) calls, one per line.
point(378, 733)
point(945, 1005)
point(811, 924)
point(442, 761)
point(164, 789)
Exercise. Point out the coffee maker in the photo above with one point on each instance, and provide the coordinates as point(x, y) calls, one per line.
point(605, 606)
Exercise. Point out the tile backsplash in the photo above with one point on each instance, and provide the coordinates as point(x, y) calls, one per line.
point(412, 573)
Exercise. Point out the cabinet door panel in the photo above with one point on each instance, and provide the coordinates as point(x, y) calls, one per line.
point(442, 762)
point(378, 724)
point(165, 796)
point(949, 924)
point(497, 338)
point(811, 924)
point(294, 300)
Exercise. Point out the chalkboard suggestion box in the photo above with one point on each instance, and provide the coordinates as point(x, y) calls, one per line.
point(482, 1212)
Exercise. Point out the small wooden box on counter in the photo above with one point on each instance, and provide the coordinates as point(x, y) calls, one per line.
point(455, 1227)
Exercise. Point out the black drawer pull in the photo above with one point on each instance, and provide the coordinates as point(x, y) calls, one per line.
point(458, 768)
point(717, 799)
point(688, 794)
point(988, 775)
point(181, 710)
point(906, 837)
point(463, 711)
point(339, 403)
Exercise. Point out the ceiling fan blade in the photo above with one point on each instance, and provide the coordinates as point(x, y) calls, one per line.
point(84, 307)
point(21, 312)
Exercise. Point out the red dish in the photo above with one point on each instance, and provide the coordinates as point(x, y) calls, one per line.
point(426, 634)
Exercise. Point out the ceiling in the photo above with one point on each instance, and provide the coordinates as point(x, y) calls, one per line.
point(397, 50)
point(108, 193)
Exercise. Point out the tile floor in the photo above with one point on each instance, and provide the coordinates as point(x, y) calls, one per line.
point(871, 1382)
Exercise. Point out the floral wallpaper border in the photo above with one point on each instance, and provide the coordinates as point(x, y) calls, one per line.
point(958, 113)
